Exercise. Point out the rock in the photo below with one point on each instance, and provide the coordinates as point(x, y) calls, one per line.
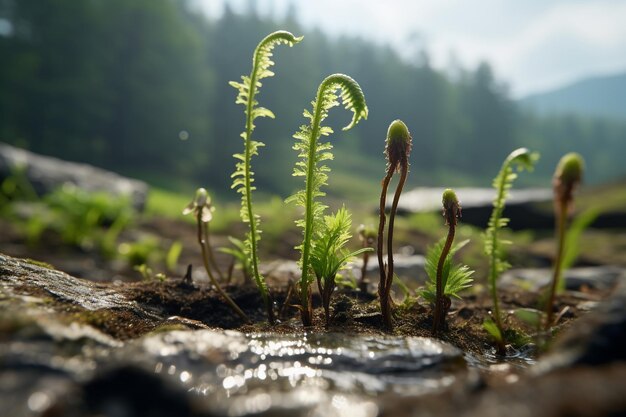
point(46, 174)
point(601, 278)
point(521, 207)
point(598, 338)
point(54, 365)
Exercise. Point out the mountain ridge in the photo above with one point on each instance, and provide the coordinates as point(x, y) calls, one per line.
point(594, 96)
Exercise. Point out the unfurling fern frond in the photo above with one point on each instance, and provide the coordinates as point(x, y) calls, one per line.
point(243, 176)
point(521, 159)
point(312, 154)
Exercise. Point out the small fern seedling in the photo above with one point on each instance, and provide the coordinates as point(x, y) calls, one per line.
point(328, 255)
point(397, 150)
point(455, 277)
point(201, 207)
point(451, 212)
point(243, 175)
point(313, 153)
point(521, 159)
point(568, 175)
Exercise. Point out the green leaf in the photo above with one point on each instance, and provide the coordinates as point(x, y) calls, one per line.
point(491, 328)
point(455, 278)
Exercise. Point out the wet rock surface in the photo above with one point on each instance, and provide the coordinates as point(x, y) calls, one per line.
point(51, 366)
point(46, 173)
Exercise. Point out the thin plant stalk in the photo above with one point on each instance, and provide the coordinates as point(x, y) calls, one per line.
point(385, 302)
point(567, 176)
point(212, 261)
point(561, 220)
point(451, 211)
point(202, 240)
point(397, 150)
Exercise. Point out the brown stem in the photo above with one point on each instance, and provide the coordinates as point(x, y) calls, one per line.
point(202, 234)
point(561, 217)
point(385, 304)
point(439, 316)
point(212, 261)
point(366, 257)
point(392, 217)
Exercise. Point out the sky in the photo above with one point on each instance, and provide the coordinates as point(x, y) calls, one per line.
point(533, 45)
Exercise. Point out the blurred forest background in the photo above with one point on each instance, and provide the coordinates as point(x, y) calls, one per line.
point(141, 87)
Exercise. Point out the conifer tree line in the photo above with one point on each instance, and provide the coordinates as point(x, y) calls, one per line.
point(141, 87)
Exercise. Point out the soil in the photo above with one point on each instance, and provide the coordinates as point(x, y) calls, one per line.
point(198, 305)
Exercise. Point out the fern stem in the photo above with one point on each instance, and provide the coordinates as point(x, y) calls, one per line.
point(307, 309)
point(202, 240)
point(248, 187)
point(392, 217)
point(385, 305)
point(440, 319)
point(212, 256)
point(493, 259)
point(561, 217)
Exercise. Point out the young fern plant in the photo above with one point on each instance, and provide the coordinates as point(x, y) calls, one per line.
point(567, 177)
point(328, 255)
point(521, 159)
point(451, 212)
point(455, 277)
point(313, 153)
point(243, 179)
point(397, 150)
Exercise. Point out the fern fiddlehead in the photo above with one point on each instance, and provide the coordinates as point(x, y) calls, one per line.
point(567, 177)
point(313, 154)
point(520, 158)
point(243, 179)
point(397, 151)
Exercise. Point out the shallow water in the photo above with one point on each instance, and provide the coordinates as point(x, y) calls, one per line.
point(327, 374)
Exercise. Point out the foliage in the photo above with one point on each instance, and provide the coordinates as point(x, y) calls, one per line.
point(126, 109)
point(313, 153)
point(521, 159)
point(456, 277)
point(80, 218)
point(238, 252)
point(243, 175)
point(328, 254)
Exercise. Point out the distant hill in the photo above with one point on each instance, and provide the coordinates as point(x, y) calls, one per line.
point(603, 96)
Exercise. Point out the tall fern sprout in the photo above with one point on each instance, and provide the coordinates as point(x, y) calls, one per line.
point(521, 159)
point(313, 153)
point(243, 175)
point(397, 150)
point(566, 178)
point(451, 212)
point(201, 208)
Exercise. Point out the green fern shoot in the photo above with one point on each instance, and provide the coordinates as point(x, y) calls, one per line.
point(329, 256)
point(243, 175)
point(521, 159)
point(455, 278)
point(313, 153)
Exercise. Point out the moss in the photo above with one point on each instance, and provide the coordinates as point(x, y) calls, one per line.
point(40, 264)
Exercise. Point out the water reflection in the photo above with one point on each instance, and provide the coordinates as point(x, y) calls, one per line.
point(326, 374)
